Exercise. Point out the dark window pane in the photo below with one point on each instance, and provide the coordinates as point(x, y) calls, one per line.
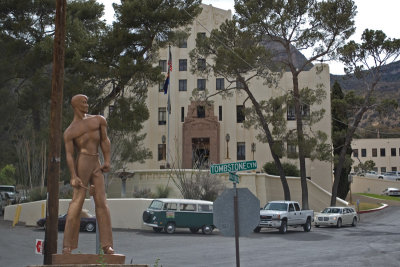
point(201, 112)
point(363, 152)
point(182, 114)
point(162, 116)
point(201, 84)
point(220, 113)
point(374, 152)
point(383, 152)
point(163, 65)
point(239, 114)
point(201, 64)
point(355, 153)
point(182, 85)
point(182, 64)
point(291, 114)
point(393, 152)
point(162, 149)
point(220, 83)
point(182, 43)
point(241, 151)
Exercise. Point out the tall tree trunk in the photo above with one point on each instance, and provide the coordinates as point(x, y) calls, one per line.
point(300, 140)
point(285, 186)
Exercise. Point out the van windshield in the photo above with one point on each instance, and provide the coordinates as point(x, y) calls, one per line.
point(7, 188)
point(156, 205)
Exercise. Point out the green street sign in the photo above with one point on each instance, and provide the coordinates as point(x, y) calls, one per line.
point(234, 177)
point(233, 167)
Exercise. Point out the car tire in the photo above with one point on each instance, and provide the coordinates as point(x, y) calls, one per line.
point(257, 229)
point(146, 216)
point(354, 223)
point(194, 230)
point(207, 229)
point(283, 228)
point(339, 223)
point(317, 225)
point(307, 225)
point(157, 229)
point(170, 228)
point(90, 227)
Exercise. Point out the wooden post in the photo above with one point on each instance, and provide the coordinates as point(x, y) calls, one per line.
point(53, 170)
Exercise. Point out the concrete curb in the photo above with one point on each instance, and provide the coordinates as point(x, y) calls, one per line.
point(377, 209)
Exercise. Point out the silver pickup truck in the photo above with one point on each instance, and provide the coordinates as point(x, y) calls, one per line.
point(281, 214)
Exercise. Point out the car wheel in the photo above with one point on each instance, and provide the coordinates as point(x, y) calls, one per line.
point(170, 228)
point(283, 228)
point(194, 229)
point(317, 225)
point(257, 229)
point(207, 229)
point(354, 221)
point(307, 226)
point(157, 229)
point(146, 216)
point(339, 223)
point(90, 227)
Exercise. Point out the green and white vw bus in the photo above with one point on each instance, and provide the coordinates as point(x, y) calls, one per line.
point(168, 214)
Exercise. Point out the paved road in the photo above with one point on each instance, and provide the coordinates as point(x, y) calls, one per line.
point(374, 242)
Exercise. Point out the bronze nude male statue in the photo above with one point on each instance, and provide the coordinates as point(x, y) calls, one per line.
point(83, 137)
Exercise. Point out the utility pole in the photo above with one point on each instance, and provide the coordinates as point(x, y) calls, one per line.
point(53, 170)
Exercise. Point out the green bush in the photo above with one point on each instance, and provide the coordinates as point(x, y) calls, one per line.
point(7, 175)
point(37, 193)
point(143, 193)
point(162, 192)
point(288, 168)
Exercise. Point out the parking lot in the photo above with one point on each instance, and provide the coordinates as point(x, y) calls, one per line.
point(375, 241)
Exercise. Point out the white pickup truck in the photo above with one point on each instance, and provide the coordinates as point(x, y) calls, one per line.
point(281, 214)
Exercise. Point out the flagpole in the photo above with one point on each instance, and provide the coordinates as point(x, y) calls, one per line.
point(169, 103)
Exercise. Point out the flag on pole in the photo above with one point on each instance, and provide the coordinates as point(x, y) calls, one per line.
point(166, 84)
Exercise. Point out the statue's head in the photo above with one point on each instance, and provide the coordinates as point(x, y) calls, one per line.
point(80, 102)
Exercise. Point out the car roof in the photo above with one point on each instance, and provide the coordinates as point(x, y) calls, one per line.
point(391, 188)
point(183, 200)
point(282, 201)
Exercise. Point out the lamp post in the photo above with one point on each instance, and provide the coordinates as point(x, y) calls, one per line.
point(253, 148)
point(227, 138)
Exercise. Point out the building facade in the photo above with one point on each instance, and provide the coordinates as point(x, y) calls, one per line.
point(192, 133)
point(384, 152)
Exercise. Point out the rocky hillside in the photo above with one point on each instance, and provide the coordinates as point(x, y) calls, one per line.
point(389, 87)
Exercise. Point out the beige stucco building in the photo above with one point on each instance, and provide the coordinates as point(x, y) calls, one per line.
point(191, 131)
point(385, 152)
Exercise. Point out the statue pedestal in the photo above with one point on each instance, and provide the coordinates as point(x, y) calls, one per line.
point(62, 259)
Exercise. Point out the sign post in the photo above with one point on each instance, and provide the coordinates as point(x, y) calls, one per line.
point(232, 168)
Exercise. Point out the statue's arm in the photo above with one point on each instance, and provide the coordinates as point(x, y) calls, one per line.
point(69, 154)
point(105, 144)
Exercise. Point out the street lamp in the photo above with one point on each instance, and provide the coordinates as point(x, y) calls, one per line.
point(227, 138)
point(253, 148)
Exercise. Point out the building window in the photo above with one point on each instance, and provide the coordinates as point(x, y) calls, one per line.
point(182, 64)
point(201, 64)
point(220, 113)
point(363, 152)
point(239, 84)
point(394, 169)
point(305, 111)
point(162, 116)
point(383, 152)
point(383, 169)
point(393, 152)
point(239, 114)
point(201, 84)
point(201, 112)
point(291, 151)
point(183, 85)
point(241, 151)
point(220, 83)
point(355, 153)
point(182, 114)
point(162, 151)
point(182, 42)
point(374, 152)
point(291, 113)
point(163, 65)
point(161, 86)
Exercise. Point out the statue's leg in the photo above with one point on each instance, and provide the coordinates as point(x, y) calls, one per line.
point(102, 211)
point(72, 225)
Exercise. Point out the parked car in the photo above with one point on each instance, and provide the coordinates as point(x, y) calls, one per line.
point(88, 222)
point(2, 204)
point(391, 191)
point(9, 193)
point(168, 214)
point(281, 214)
point(393, 175)
point(373, 174)
point(336, 216)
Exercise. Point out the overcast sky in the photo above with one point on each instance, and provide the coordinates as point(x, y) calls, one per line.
point(372, 14)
